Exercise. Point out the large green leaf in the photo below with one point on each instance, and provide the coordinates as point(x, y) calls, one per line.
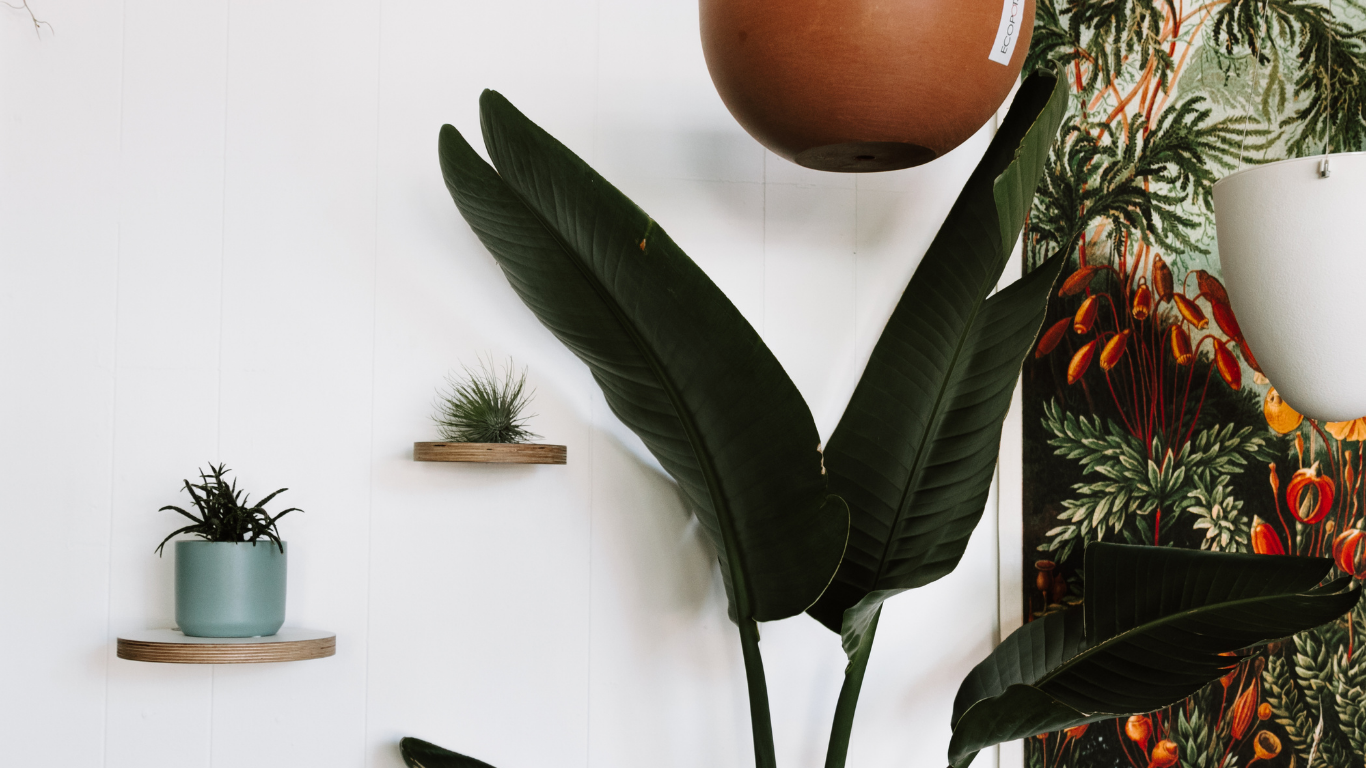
point(915, 451)
point(1152, 629)
point(423, 754)
point(676, 361)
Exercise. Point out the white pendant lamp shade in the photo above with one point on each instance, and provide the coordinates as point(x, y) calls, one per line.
point(1293, 257)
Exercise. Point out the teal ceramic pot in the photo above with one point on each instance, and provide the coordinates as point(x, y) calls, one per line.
point(229, 589)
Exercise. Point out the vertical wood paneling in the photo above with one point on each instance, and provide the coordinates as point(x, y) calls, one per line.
point(59, 135)
point(809, 289)
point(927, 640)
point(899, 214)
point(296, 362)
point(657, 114)
point(223, 235)
point(659, 627)
point(479, 595)
point(667, 686)
point(166, 422)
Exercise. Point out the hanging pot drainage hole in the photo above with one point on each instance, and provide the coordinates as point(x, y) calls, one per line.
point(865, 156)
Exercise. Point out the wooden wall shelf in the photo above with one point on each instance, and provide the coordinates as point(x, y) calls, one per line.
point(170, 646)
point(492, 453)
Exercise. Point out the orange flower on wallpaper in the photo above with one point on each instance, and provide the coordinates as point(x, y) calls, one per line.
point(1143, 303)
point(1264, 538)
point(1050, 338)
point(1223, 317)
point(1162, 278)
point(1191, 311)
point(1280, 416)
point(1229, 370)
point(1244, 709)
point(1310, 495)
point(1181, 345)
point(1349, 552)
point(1086, 315)
point(1078, 281)
point(1081, 361)
point(1077, 731)
point(1165, 754)
point(1139, 729)
point(1347, 430)
point(1114, 350)
point(1211, 287)
point(1265, 745)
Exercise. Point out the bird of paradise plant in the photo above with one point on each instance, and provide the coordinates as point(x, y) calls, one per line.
point(890, 501)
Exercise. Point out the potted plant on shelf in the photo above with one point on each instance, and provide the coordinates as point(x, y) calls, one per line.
point(232, 583)
point(481, 417)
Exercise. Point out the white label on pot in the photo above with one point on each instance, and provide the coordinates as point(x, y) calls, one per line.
point(1012, 20)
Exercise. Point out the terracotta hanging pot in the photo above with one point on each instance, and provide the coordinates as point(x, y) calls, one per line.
point(864, 85)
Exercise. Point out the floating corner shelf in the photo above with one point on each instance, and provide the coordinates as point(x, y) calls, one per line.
point(492, 453)
point(170, 646)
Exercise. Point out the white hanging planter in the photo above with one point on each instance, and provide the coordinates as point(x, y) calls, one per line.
point(1294, 263)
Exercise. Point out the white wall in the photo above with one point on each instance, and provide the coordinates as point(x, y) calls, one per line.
point(224, 236)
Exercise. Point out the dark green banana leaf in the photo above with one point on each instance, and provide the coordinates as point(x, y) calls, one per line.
point(422, 754)
point(916, 449)
point(675, 359)
point(1151, 631)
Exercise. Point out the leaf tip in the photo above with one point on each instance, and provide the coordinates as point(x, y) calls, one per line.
point(490, 98)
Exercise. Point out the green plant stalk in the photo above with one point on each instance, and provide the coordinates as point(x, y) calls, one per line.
point(843, 724)
point(760, 721)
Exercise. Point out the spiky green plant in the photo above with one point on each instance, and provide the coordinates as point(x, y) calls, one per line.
point(484, 406)
point(226, 514)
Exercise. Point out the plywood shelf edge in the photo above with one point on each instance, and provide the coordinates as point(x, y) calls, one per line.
point(170, 646)
point(492, 453)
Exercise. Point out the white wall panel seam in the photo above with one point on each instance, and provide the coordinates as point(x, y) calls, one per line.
point(374, 357)
point(114, 400)
point(222, 304)
point(763, 258)
point(223, 236)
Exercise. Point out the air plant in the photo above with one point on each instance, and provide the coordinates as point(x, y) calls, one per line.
point(225, 513)
point(484, 407)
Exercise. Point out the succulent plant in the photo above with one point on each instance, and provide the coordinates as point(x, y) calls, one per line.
point(226, 514)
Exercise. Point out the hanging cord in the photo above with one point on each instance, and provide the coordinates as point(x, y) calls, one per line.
point(1324, 170)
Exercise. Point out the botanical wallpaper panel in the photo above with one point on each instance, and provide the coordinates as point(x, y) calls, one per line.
point(1146, 418)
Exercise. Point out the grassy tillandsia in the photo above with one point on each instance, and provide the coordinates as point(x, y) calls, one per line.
point(226, 514)
point(484, 406)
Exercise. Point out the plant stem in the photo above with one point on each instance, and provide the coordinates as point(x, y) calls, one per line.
point(843, 723)
point(759, 719)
